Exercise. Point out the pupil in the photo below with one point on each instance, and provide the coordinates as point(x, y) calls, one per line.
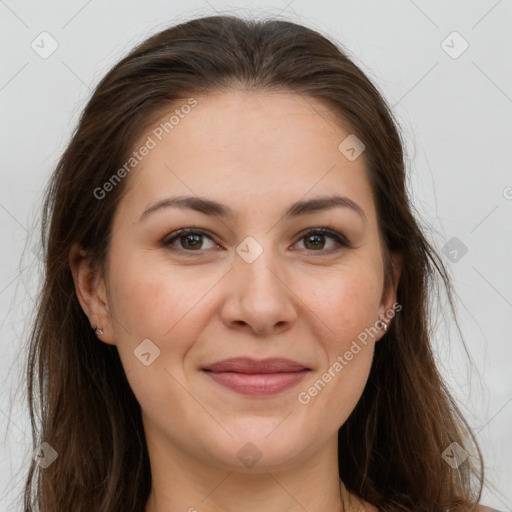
point(192, 240)
point(317, 239)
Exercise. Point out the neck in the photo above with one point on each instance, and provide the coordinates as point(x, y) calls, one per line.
point(182, 483)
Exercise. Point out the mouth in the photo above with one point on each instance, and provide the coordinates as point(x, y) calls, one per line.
point(257, 377)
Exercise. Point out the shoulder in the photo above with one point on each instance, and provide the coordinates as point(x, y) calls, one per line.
point(483, 508)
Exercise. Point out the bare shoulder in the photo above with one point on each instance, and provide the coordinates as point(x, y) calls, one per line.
point(483, 508)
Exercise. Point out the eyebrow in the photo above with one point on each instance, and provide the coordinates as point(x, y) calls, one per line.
point(214, 208)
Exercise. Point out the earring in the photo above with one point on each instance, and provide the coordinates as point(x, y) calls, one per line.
point(100, 330)
point(382, 325)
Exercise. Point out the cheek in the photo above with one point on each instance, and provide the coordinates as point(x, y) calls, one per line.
point(345, 301)
point(152, 299)
point(346, 308)
point(335, 394)
point(152, 303)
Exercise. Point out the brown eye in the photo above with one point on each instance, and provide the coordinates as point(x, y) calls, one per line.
point(317, 239)
point(314, 241)
point(189, 240)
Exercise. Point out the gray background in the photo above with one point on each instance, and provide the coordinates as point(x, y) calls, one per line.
point(456, 115)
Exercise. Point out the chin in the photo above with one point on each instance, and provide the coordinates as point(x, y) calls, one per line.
point(261, 447)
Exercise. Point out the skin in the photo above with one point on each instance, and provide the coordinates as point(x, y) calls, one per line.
point(257, 153)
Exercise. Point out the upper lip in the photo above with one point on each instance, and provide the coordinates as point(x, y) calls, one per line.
point(248, 365)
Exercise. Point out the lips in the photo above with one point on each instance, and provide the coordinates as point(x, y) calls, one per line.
point(257, 377)
point(248, 365)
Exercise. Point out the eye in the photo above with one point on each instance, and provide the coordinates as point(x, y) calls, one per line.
point(188, 239)
point(315, 240)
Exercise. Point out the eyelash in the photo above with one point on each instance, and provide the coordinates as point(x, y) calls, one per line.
point(338, 238)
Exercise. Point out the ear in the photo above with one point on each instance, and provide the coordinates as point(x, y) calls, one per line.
point(389, 305)
point(91, 292)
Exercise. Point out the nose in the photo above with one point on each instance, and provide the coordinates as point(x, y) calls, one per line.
point(258, 299)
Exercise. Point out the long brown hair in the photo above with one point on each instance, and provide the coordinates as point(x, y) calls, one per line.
point(391, 446)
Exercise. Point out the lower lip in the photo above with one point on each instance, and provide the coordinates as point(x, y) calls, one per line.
point(261, 384)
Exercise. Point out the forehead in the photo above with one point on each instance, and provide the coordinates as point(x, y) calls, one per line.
point(242, 147)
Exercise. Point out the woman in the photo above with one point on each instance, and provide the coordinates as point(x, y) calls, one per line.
point(236, 308)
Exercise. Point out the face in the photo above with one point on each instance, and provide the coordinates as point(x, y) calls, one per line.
point(266, 270)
